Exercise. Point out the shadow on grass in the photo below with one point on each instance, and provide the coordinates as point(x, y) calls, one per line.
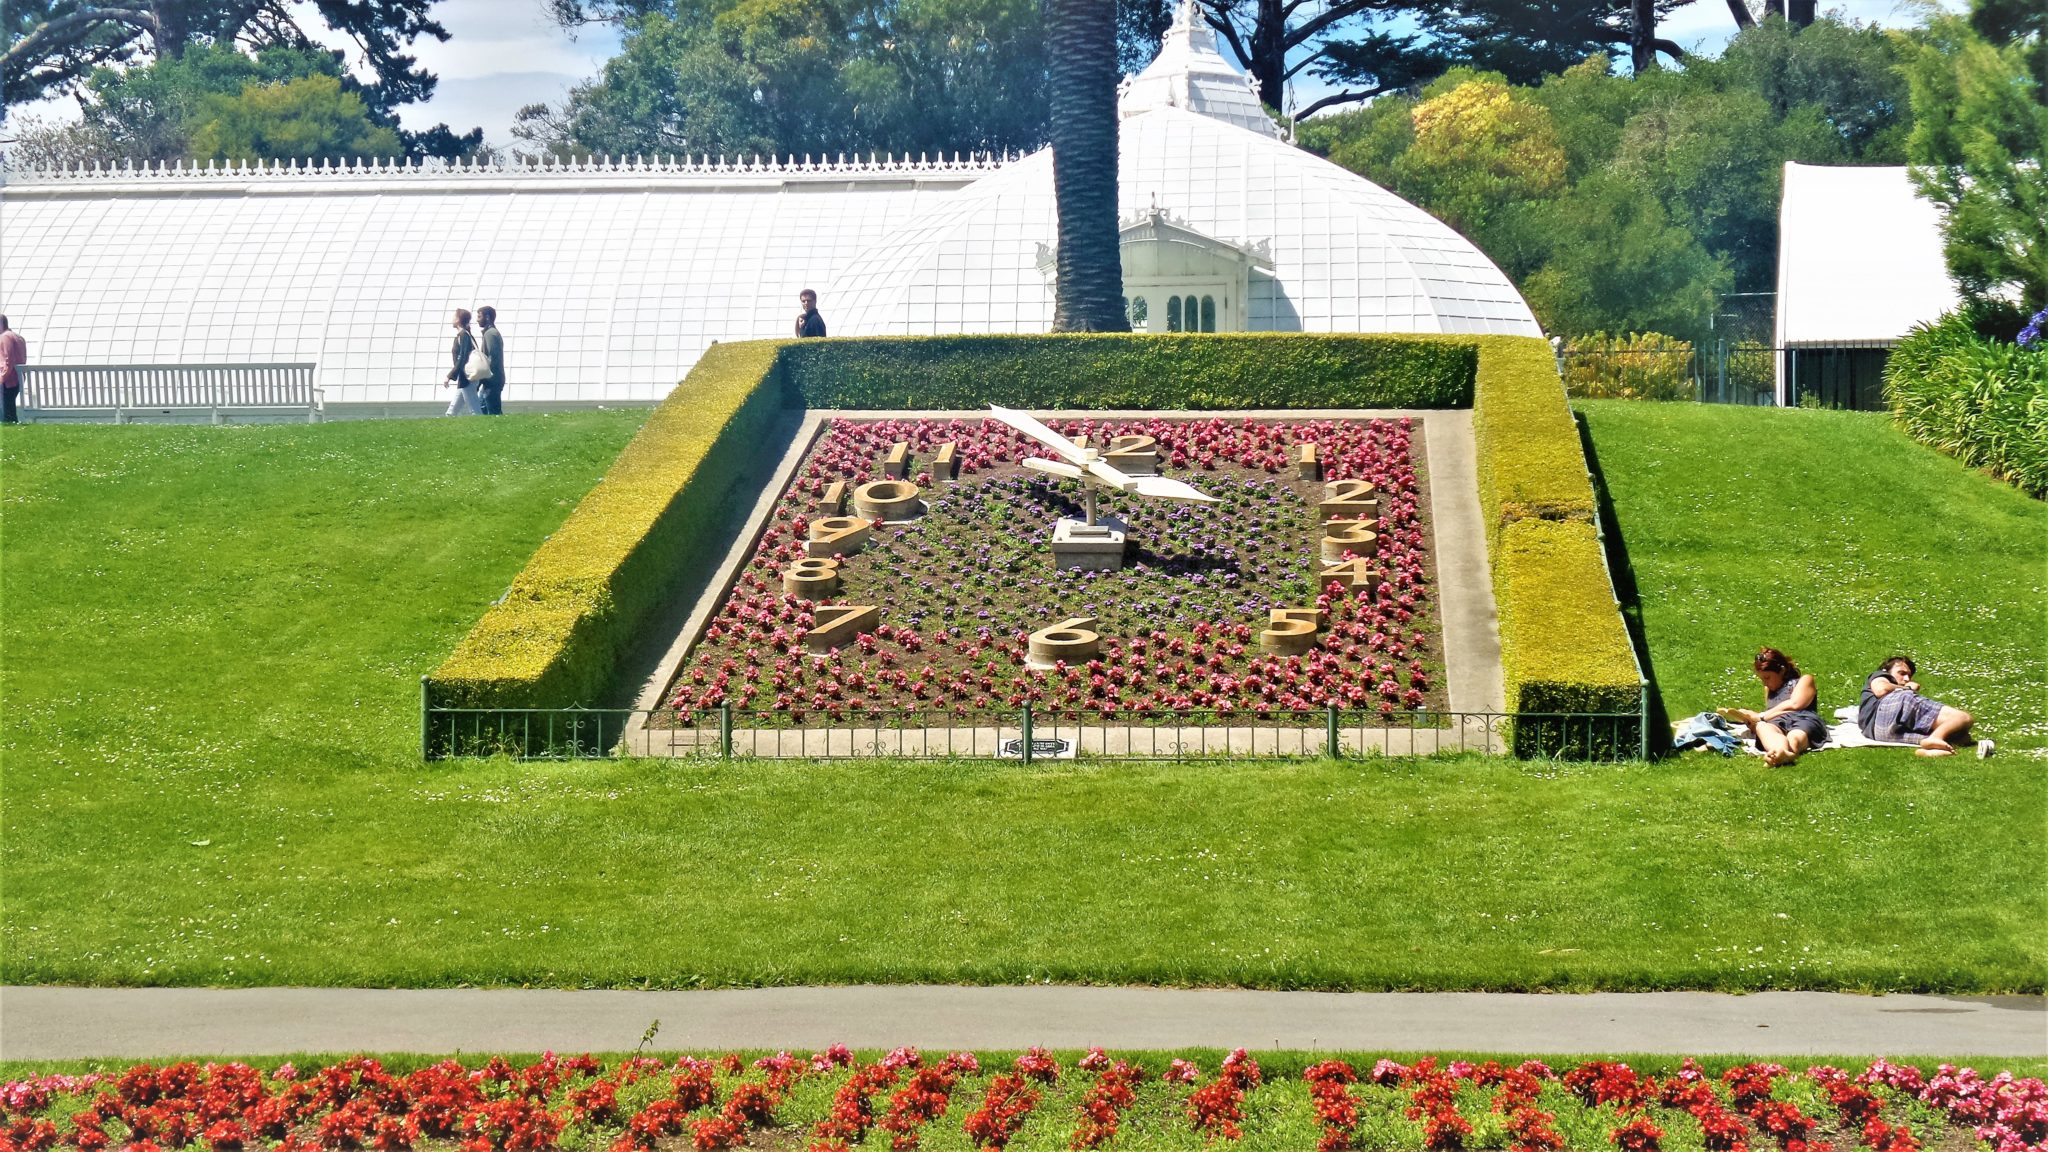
point(696, 570)
point(1625, 589)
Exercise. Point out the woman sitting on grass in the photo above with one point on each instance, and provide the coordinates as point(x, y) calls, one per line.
point(1790, 722)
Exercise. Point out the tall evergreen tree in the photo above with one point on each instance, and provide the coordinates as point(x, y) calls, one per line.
point(1089, 287)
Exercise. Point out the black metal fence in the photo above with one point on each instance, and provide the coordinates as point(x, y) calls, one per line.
point(1024, 734)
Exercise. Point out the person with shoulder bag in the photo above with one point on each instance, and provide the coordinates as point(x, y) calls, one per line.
point(465, 402)
point(491, 347)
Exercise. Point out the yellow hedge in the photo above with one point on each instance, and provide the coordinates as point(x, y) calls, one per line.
point(1531, 465)
point(580, 602)
point(1564, 647)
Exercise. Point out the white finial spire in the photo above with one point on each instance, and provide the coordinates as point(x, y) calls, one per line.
point(1190, 73)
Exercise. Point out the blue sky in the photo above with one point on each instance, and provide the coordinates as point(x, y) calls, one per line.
point(503, 54)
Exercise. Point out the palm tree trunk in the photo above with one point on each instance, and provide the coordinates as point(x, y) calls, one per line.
point(1089, 285)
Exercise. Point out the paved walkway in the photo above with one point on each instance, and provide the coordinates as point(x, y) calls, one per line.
point(57, 1023)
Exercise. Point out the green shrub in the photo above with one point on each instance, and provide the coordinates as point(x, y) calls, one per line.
point(1638, 366)
point(1563, 646)
point(582, 600)
point(1234, 370)
point(1977, 398)
point(1531, 465)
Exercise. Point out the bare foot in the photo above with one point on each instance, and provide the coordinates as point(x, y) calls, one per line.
point(1937, 745)
point(1779, 757)
point(1931, 753)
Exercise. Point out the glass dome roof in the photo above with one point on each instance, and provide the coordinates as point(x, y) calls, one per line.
point(610, 277)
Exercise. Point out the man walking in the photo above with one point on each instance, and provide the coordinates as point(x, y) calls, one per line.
point(809, 322)
point(13, 354)
point(491, 389)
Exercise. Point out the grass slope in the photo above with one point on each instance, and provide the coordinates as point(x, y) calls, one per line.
point(1832, 536)
point(211, 648)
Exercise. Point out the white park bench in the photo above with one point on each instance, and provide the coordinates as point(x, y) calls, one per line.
point(131, 390)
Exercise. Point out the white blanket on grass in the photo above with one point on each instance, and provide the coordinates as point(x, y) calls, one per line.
point(1844, 733)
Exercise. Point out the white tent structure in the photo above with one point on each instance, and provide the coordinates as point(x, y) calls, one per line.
point(1859, 264)
point(611, 277)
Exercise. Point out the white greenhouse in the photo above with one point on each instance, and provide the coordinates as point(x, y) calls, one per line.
point(611, 278)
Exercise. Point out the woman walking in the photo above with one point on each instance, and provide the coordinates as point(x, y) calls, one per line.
point(465, 402)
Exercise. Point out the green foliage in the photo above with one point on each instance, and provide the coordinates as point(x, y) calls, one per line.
point(1237, 370)
point(1983, 401)
point(309, 118)
point(1668, 194)
point(1563, 646)
point(583, 599)
point(810, 76)
point(217, 103)
point(50, 45)
point(1478, 147)
point(1980, 132)
point(1637, 366)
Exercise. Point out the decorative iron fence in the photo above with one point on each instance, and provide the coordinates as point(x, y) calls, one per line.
point(1024, 734)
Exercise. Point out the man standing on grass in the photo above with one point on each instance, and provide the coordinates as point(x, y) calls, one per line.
point(491, 389)
point(13, 354)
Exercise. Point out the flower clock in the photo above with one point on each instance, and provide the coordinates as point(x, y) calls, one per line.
point(911, 569)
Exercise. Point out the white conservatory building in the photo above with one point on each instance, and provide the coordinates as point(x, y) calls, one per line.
point(610, 278)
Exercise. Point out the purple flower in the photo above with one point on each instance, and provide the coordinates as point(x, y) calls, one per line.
point(2031, 334)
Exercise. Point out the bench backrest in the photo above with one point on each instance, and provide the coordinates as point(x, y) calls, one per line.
point(119, 386)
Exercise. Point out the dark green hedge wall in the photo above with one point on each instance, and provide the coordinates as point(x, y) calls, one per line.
point(1236, 370)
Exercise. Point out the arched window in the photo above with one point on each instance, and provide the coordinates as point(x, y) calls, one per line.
point(1138, 310)
point(1173, 313)
point(1208, 313)
point(1191, 313)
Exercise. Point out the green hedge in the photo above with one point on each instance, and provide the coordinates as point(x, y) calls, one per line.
point(582, 600)
point(1982, 400)
point(1563, 646)
point(1235, 370)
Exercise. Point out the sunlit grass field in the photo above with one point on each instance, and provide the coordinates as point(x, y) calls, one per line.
point(210, 645)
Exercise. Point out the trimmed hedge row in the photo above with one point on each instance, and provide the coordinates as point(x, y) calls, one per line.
point(1234, 370)
point(1531, 464)
point(1563, 645)
point(579, 604)
point(1981, 400)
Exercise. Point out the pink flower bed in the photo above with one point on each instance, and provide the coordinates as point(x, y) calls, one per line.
point(832, 1101)
point(962, 587)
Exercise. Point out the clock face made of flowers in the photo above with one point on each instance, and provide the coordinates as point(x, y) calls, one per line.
point(913, 565)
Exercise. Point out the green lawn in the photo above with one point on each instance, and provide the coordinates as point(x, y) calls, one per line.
point(1835, 538)
point(212, 641)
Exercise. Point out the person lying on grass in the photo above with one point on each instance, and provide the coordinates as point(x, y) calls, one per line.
point(1893, 709)
point(1790, 722)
